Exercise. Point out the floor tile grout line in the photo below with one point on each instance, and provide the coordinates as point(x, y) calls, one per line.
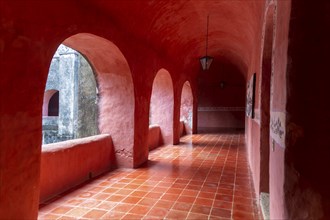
point(233, 202)
point(205, 157)
point(212, 207)
point(196, 195)
point(172, 205)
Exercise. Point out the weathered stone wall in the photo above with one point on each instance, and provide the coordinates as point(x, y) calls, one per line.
point(87, 101)
point(50, 130)
point(71, 74)
point(52, 80)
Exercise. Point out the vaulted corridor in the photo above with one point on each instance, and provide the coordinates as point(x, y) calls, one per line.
point(206, 176)
point(160, 70)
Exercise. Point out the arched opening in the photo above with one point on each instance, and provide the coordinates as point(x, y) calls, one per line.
point(67, 164)
point(186, 109)
point(265, 105)
point(161, 105)
point(50, 105)
point(53, 106)
point(115, 89)
point(74, 99)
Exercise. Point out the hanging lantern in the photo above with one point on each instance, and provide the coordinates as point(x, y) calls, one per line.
point(206, 60)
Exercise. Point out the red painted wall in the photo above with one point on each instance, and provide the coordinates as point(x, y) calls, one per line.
point(162, 105)
point(307, 153)
point(186, 108)
point(278, 104)
point(182, 129)
point(154, 137)
point(212, 94)
point(278, 101)
point(253, 149)
point(69, 163)
point(32, 30)
point(116, 91)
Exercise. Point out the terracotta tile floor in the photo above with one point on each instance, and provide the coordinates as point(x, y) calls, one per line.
point(205, 177)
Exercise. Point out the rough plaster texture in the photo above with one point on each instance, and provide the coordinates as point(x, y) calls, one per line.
point(161, 105)
point(253, 143)
point(278, 104)
point(116, 102)
point(186, 108)
point(276, 184)
point(154, 137)
point(256, 134)
point(70, 163)
point(178, 88)
point(182, 129)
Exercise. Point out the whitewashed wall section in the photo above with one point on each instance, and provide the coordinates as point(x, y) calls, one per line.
point(277, 127)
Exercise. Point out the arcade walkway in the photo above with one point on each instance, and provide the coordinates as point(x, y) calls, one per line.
point(205, 177)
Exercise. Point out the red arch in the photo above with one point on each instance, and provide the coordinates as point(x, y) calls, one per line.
point(115, 85)
point(186, 107)
point(162, 104)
